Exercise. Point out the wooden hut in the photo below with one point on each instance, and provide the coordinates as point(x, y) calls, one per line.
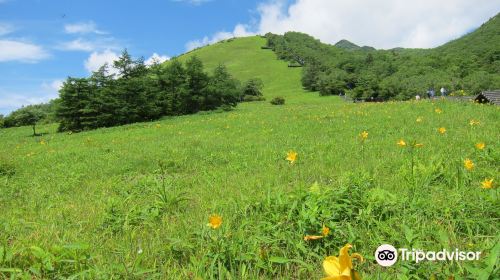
point(492, 97)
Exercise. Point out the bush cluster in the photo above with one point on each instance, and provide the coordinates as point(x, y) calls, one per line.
point(278, 101)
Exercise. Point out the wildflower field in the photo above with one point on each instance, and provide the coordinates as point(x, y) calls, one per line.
point(300, 191)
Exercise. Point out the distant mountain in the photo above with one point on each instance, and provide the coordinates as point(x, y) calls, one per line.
point(348, 45)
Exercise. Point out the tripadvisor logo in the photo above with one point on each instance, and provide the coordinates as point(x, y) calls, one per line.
point(386, 255)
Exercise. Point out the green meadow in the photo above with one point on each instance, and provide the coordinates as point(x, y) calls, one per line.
point(133, 202)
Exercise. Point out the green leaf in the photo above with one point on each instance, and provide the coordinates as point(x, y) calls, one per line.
point(279, 260)
point(11, 270)
point(38, 252)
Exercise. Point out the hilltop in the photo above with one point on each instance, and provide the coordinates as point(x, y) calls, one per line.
point(347, 45)
point(245, 59)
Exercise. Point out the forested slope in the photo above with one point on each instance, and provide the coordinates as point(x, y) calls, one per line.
point(467, 65)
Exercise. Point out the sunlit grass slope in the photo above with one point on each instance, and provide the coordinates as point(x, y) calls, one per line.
point(245, 60)
point(133, 202)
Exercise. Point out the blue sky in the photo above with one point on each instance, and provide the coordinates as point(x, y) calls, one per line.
point(63, 35)
point(44, 41)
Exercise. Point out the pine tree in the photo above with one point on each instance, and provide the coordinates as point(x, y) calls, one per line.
point(197, 81)
point(222, 89)
point(74, 97)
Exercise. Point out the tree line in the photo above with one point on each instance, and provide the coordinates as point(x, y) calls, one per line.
point(134, 92)
point(468, 65)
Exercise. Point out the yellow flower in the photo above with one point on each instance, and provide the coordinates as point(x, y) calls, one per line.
point(325, 231)
point(401, 143)
point(42, 142)
point(442, 130)
point(341, 267)
point(474, 122)
point(215, 221)
point(439, 111)
point(469, 165)
point(419, 145)
point(292, 157)
point(419, 119)
point(480, 146)
point(312, 237)
point(487, 184)
point(363, 135)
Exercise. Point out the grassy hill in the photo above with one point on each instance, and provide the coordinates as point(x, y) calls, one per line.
point(133, 202)
point(245, 59)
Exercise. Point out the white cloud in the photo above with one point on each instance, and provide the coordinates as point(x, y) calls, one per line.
point(53, 86)
point(82, 28)
point(98, 59)
point(156, 58)
point(381, 24)
point(240, 30)
point(5, 28)
point(96, 44)
point(78, 45)
point(20, 51)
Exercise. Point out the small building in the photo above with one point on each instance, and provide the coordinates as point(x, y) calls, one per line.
point(492, 97)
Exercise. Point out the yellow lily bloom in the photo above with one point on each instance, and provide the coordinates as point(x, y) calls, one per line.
point(487, 184)
point(325, 231)
point(474, 122)
point(292, 157)
point(469, 165)
point(340, 268)
point(401, 143)
point(363, 135)
point(215, 221)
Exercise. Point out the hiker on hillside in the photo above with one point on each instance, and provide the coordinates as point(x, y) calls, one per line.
point(431, 93)
point(443, 91)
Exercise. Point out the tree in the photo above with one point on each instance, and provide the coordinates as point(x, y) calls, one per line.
point(173, 85)
point(197, 81)
point(252, 90)
point(310, 75)
point(137, 97)
point(75, 96)
point(222, 89)
point(2, 121)
point(332, 83)
point(29, 115)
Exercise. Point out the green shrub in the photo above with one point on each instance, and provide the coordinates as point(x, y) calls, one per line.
point(252, 90)
point(250, 98)
point(278, 101)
